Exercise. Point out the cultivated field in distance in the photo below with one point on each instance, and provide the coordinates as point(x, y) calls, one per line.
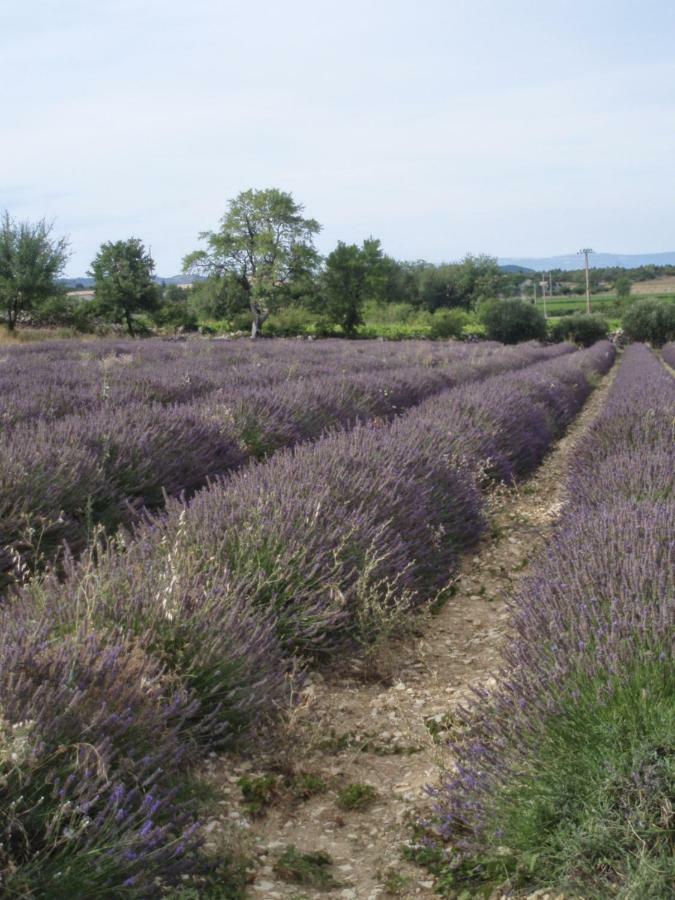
point(664, 284)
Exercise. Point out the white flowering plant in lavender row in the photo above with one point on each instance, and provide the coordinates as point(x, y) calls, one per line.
point(564, 771)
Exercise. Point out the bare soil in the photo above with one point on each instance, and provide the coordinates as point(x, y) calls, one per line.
point(348, 730)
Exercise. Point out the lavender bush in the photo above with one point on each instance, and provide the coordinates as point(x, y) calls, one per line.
point(90, 737)
point(562, 772)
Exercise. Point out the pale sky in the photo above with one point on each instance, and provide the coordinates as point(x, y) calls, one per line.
point(511, 127)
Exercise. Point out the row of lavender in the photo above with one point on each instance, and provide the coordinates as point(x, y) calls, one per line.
point(50, 380)
point(564, 772)
point(60, 477)
point(187, 635)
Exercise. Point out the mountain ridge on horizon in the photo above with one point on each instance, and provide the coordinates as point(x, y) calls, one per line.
point(567, 262)
point(571, 261)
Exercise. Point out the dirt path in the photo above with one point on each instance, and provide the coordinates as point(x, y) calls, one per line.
point(348, 731)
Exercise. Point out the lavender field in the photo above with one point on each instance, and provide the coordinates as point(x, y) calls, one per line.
point(98, 433)
point(189, 529)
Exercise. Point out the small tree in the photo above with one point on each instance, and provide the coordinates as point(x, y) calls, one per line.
point(124, 281)
point(30, 262)
point(344, 285)
point(623, 286)
point(265, 243)
point(512, 321)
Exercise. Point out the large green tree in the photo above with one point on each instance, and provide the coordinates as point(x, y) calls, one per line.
point(124, 273)
point(265, 243)
point(30, 262)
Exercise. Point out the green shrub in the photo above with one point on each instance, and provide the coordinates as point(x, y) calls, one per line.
point(66, 311)
point(357, 796)
point(241, 321)
point(391, 313)
point(176, 316)
point(311, 869)
point(448, 323)
point(650, 320)
point(581, 329)
point(397, 332)
point(291, 321)
point(259, 793)
point(512, 321)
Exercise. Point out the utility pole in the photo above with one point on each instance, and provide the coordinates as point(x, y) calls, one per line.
point(543, 292)
point(585, 252)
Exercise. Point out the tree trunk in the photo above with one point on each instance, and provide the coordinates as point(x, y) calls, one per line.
point(12, 313)
point(130, 326)
point(258, 316)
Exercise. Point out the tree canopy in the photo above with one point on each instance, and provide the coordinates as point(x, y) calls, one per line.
point(344, 285)
point(463, 284)
point(30, 262)
point(124, 274)
point(265, 242)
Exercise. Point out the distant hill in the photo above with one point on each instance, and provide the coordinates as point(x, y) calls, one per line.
point(511, 268)
point(596, 261)
point(77, 284)
point(84, 281)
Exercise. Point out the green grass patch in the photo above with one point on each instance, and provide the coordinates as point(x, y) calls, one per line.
point(357, 796)
point(262, 791)
point(590, 811)
point(310, 869)
point(259, 793)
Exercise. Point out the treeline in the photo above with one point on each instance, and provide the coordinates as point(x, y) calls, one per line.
point(261, 259)
point(259, 269)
